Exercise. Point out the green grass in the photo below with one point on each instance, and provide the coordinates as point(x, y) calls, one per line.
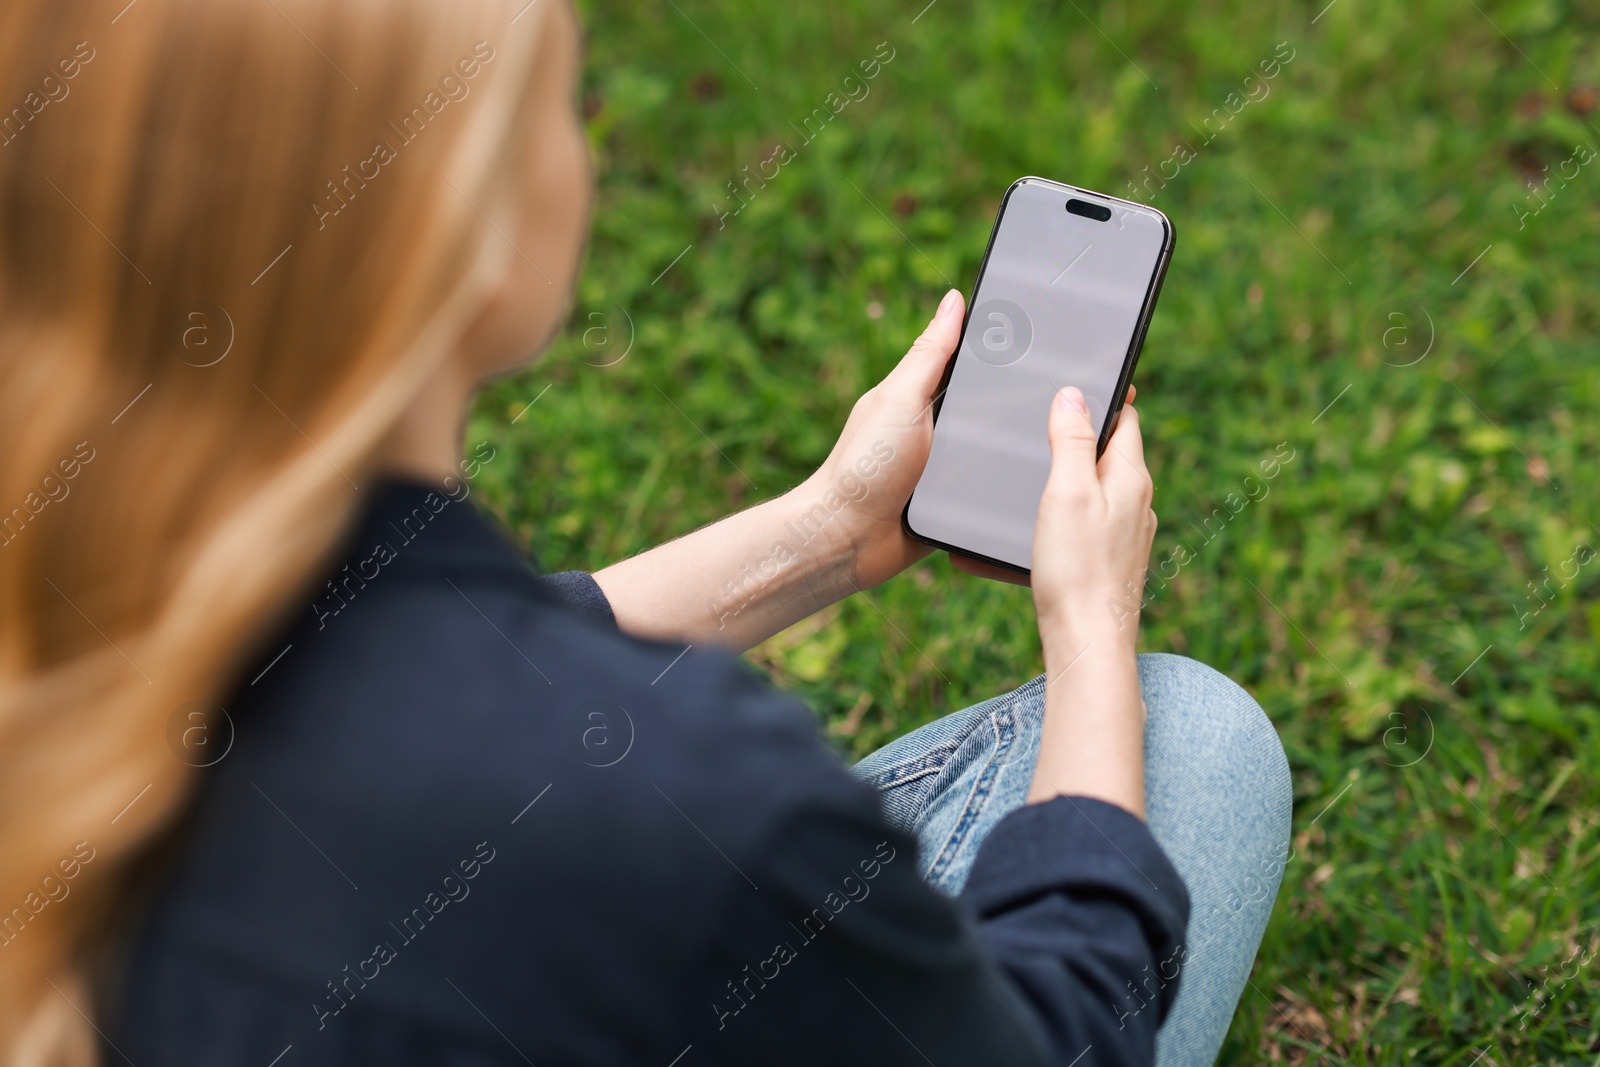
point(1447, 835)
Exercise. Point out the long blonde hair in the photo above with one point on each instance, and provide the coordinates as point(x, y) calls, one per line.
point(215, 299)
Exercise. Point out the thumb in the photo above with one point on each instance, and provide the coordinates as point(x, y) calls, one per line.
point(1072, 442)
point(931, 351)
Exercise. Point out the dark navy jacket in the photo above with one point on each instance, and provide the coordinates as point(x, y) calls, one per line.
point(464, 820)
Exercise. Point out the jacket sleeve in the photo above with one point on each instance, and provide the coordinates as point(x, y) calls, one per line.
point(844, 955)
point(579, 592)
point(1086, 916)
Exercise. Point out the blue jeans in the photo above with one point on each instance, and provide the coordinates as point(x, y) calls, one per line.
point(1217, 794)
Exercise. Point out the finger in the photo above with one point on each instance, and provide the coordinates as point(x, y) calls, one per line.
point(944, 329)
point(924, 364)
point(1133, 391)
point(1123, 473)
point(988, 570)
point(1072, 444)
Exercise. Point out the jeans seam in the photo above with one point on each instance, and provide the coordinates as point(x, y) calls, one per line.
point(1003, 721)
point(927, 763)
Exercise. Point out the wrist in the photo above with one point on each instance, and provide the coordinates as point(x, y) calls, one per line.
point(811, 527)
point(780, 565)
point(1082, 650)
point(823, 521)
point(1104, 621)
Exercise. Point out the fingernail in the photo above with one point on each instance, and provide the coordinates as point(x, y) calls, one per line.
point(948, 304)
point(1070, 397)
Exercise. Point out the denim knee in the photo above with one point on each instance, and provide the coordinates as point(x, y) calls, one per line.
point(1208, 742)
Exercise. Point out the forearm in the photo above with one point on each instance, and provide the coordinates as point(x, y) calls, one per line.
point(738, 581)
point(1092, 743)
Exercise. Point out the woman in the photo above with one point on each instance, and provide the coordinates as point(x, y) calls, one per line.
point(301, 763)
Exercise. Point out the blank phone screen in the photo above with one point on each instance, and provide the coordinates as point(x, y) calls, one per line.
point(1058, 303)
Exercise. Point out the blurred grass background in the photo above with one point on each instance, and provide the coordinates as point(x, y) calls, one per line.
point(1413, 601)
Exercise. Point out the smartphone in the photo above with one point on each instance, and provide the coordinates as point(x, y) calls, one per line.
point(1064, 296)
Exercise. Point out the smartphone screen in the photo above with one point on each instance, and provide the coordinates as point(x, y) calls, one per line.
point(1063, 298)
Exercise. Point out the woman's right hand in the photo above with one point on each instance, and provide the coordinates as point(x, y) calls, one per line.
point(1090, 549)
point(1091, 543)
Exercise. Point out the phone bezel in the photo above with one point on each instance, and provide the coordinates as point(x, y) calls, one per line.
point(1129, 362)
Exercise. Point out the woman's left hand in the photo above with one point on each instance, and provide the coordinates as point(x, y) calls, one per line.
point(880, 454)
point(739, 581)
